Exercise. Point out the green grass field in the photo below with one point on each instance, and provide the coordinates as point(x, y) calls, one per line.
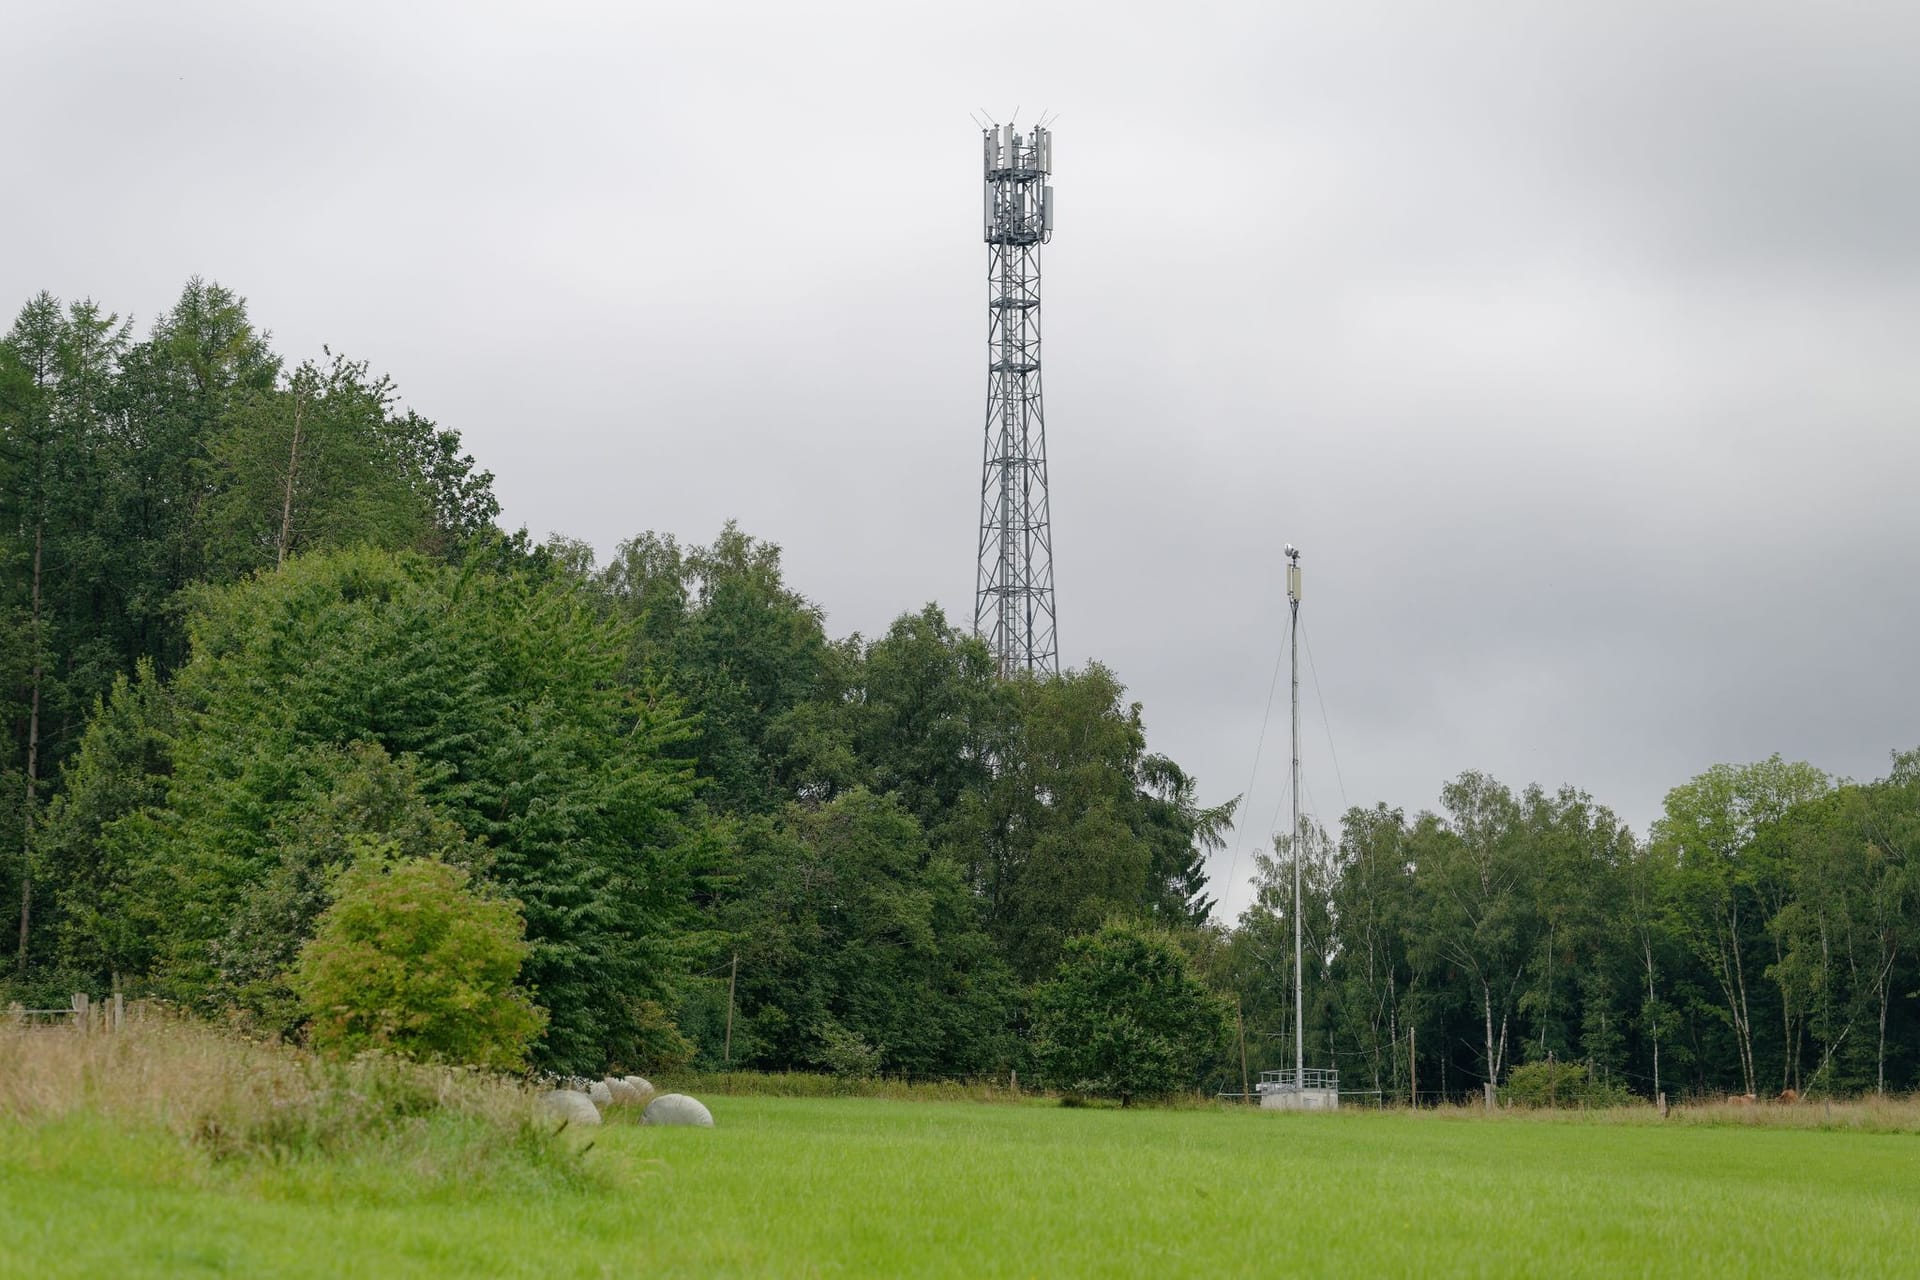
point(792, 1187)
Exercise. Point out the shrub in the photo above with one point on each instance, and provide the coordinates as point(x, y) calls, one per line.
point(1124, 1018)
point(362, 799)
point(1561, 1084)
point(844, 1053)
point(410, 960)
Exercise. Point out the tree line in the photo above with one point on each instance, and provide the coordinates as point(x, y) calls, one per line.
point(1765, 936)
point(262, 626)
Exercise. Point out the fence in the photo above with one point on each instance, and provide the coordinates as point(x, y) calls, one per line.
point(82, 1015)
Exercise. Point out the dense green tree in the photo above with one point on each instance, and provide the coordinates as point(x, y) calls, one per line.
point(720, 628)
point(1181, 835)
point(359, 798)
point(55, 372)
point(1472, 875)
point(1725, 882)
point(203, 358)
point(305, 465)
point(135, 470)
point(99, 833)
point(851, 932)
point(1372, 901)
point(1887, 894)
point(505, 695)
point(1575, 852)
point(1260, 958)
point(927, 712)
point(1125, 1017)
point(1056, 846)
point(1848, 921)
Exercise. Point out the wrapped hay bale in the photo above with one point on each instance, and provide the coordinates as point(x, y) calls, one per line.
point(568, 1107)
point(625, 1093)
point(677, 1108)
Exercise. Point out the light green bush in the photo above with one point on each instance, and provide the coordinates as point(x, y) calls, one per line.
point(1561, 1084)
point(410, 960)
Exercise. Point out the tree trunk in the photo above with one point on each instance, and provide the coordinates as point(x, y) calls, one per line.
point(286, 502)
point(33, 753)
point(1656, 1068)
point(1376, 1012)
point(1734, 982)
point(1790, 1041)
point(1880, 1057)
point(1646, 952)
point(1546, 994)
point(1493, 1061)
point(1393, 1031)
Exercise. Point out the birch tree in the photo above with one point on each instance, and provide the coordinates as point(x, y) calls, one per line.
point(1722, 882)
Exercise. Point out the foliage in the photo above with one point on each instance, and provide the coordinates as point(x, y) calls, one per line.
point(860, 951)
point(1124, 1017)
point(94, 840)
point(306, 464)
point(1056, 841)
point(844, 1053)
point(255, 616)
point(363, 799)
point(1727, 880)
point(409, 959)
point(1560, 1084)
point(497, 697)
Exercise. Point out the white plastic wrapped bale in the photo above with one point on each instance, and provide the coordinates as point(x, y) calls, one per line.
point(568, 1106)
point(601, 1095)
point(625, 1095)
point(643, 1085)
point(677, 1108)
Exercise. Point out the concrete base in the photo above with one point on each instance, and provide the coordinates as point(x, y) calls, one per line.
point(1301, 1100)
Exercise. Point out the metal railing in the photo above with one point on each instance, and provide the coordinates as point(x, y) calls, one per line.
point(1288, 1082)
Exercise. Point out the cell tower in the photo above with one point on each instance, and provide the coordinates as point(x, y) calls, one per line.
point(1013, 600)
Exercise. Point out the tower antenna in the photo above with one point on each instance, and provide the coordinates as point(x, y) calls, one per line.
point(1293, 648)
point(1013, 583)
point(1299, 1089)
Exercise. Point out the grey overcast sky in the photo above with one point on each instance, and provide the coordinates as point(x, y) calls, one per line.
point(1575, 341)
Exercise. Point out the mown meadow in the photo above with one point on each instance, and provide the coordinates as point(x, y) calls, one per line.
point(102, 1175)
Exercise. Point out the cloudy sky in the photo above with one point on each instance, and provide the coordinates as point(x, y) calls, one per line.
point(1574, 342)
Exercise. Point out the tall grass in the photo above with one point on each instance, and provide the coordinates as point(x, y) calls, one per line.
point(814, 1084)
point(260, 1107)
point(807, 1084)
point(1891, 1114)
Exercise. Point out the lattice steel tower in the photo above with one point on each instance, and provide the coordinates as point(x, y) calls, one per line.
point(1013, 600)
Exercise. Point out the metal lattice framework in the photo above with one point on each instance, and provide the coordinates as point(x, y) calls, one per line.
point(1013, 602)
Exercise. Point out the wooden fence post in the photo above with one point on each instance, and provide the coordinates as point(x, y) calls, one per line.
point(726, 1056)
point(1240, 1029)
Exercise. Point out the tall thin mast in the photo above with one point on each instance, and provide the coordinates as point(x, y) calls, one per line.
point(1013, 579)
point(1299, 987)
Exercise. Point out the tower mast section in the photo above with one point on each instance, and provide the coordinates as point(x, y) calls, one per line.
point(1293, 646)
point(1013, 582)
